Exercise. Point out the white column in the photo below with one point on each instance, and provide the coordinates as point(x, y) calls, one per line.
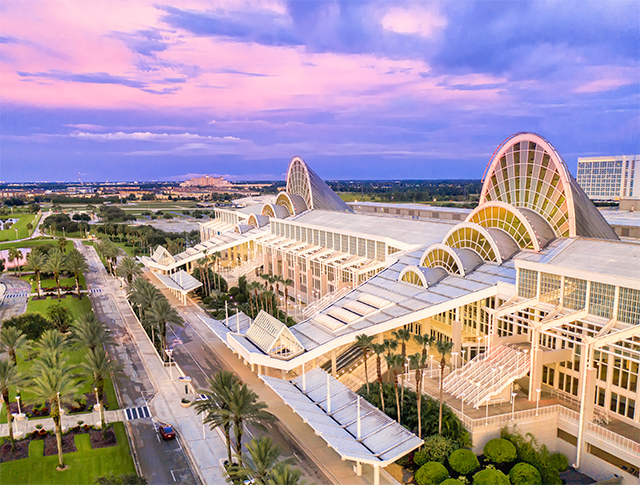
point(328, 394)
point(376, 474)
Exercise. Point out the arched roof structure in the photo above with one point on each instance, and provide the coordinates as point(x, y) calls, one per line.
point(527, 171)
point(275, 211)
point(256, 220)
point(294, 203)
point(315, 193)
point(421, 276)
point(493, 245)
point(527, 228)
point(242, 228)
point(452, 260)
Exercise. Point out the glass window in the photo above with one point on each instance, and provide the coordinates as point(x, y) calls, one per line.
point(601, 298)
point(527, 283)
point(629, 306)
point(550, 288)
point(575, 293)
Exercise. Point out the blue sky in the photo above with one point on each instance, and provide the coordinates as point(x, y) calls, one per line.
point(135, 90)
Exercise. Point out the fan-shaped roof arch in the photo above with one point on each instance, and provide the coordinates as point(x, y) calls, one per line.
point(315, 193)
point(458, 261)
point(421, 275)
point(256, 220)
point(493, 245)
point(275, 211)
point(294, 203)
point(527, 171)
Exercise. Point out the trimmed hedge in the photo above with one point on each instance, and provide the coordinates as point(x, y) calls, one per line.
point(432, 473)
point(500, 451)
point(525, 474)
point(559, 461)
point(452, 481)
point(490, 476)
point(435, 448)
point(464, 461)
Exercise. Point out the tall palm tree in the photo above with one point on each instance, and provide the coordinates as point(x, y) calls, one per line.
point(91, 332)
point(12, 340)
point(287, 283)
point(379, 350)
point(417, 362)
point(160, 314)
point(98, 366)
point(217, 259)
point(36, 262)
point(389, 346)
point(142, 294)
point(76, 264)
point(285, 474)
point(402, 335)
point(244, 407)
point(260, 462)
point(55, 384)
point(128, 268)
point(424, 341)
point(15, 255)
point(62, 244)
point(444, 348)
point(217, 406)
point(363, 342)
point(51, 340)
point(395, 362)
point(56, 263)
point(9, 377)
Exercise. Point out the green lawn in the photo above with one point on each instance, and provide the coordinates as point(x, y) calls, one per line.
point(34, 243)
point(77, 307)
point(21, 226)
point(85, 465)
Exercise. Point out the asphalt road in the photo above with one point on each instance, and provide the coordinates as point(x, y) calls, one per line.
point(161, 462)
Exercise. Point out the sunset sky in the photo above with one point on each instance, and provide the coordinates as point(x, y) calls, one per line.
point(135, 90)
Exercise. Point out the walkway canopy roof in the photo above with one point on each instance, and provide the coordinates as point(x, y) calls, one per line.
point(179, 281)
point(273, 337)
point(350, 425)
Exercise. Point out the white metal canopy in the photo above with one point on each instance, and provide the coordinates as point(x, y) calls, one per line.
point(349, 424)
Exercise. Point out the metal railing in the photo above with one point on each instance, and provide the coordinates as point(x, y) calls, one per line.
point(324, 302)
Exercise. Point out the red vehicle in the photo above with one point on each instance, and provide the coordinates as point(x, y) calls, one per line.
point(167, 432)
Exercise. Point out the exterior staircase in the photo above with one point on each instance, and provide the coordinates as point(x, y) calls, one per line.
point(488, 375)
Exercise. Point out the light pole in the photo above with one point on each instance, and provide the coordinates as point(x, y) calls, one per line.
point(455, 360)
point(537, 400)
point(479, 340)
point(431, 366)
point(513, 405)
point(462, 352)
point(169, 352)
point(18, 401)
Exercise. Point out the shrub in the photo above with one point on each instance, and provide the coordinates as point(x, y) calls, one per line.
point(435, 448)
point(31, 324)
point(525, 474)
point(432, 473)
point(559, 461)
point(452, 481)
point(464, 461)
point(490, 476)
point(500, 451)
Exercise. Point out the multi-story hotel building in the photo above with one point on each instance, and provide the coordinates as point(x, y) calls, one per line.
point(533, 287)
point(610, 178)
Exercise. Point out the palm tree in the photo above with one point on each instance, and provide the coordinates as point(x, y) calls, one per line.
point(217, 258)
point(403, 335)
point(285, 474)
point(417, 362)
point(91, 332)
point(287, 283)
point(389, 347)
point(62, 244)
point(363, 342)
point(395, 361)
point(379, 349)
point(36, 262)
point(12, 340)
point(9, 377)
point(160, 314)
point(244, 407)
point(424, 341)
point(444, 348)
point(217, 406)
point(54, 384)
point(142, 294)
point(51, 341)
point(76, 264)
point(56, 263)
point(15, 255)
point(99, 366)
point(262, 458)
point(128, 268)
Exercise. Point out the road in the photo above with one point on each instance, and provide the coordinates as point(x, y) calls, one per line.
point(161, 462)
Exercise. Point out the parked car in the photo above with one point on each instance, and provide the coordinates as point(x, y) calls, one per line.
point(167, 432)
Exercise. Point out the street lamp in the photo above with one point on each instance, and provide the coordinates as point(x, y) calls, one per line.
point(462, 352)
point(455, 360)
point(431, 366)
point(169, 352)
point(537, 400)
point(18, 401)
point(513, 404)
point(479, 340)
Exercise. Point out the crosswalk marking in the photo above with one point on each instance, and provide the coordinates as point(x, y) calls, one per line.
point(137, 413)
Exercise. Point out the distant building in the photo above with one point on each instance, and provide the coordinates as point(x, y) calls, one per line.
point(610, 178)
point(207, 181)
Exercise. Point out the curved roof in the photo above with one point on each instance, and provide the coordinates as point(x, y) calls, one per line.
point(458, 261)
point(315, 193)
point(257, 220)
point(527, 171)
point(478, 239)
point(421, 276)
point(294, 203)
point(242, 228)
point(527, 228)
point(275, 211)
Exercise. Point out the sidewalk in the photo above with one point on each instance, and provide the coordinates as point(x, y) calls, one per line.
point(338, 471)
point(26, 426)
